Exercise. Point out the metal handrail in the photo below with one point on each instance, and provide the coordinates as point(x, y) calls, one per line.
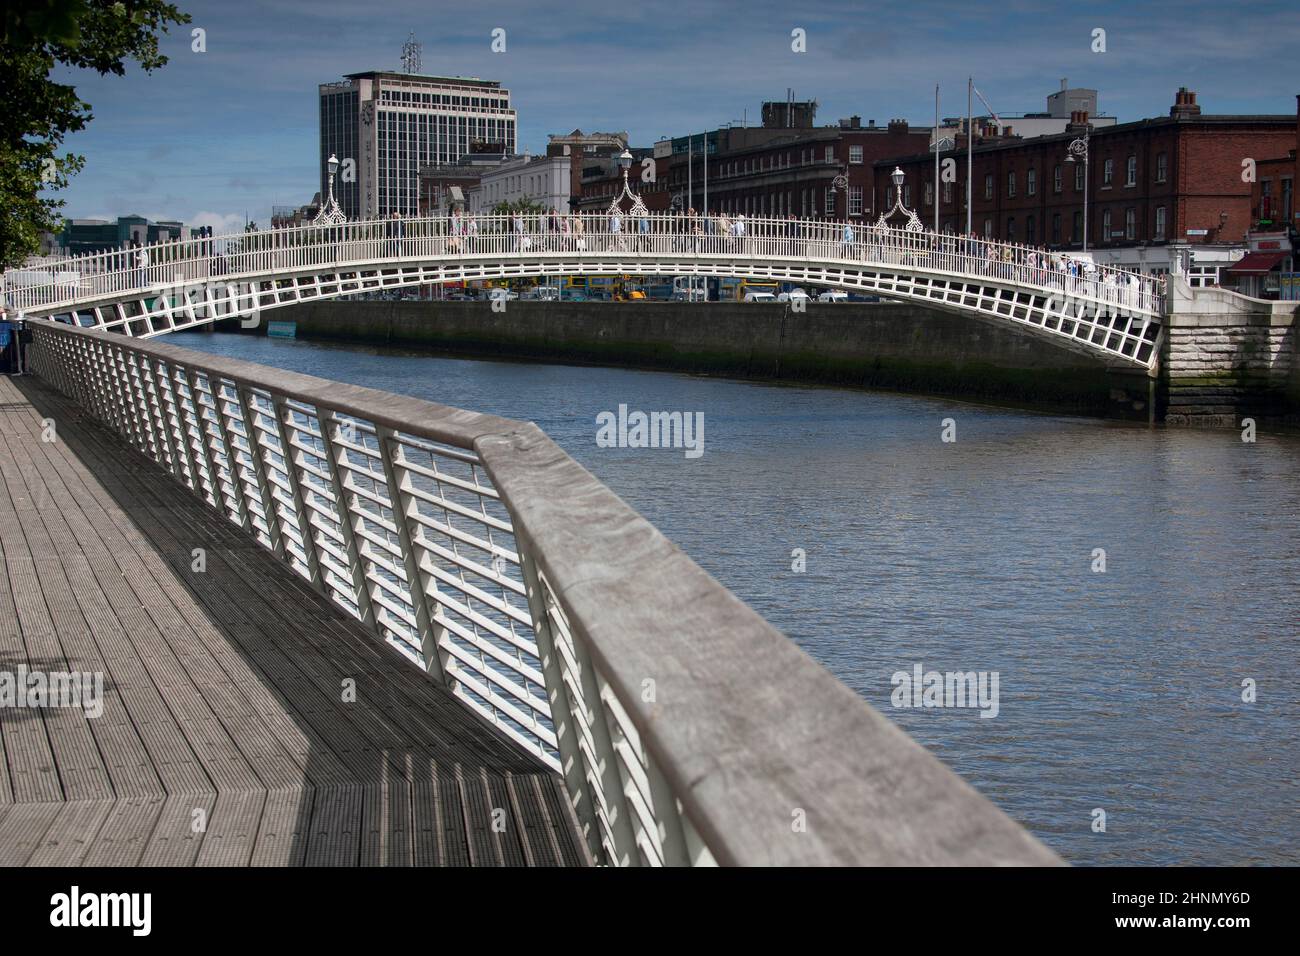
point(686, 728)
point(80, 280)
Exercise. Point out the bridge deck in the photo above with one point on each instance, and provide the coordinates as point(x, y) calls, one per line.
point(222, 691)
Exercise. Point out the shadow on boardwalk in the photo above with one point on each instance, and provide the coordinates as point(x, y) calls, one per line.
point(225, 738)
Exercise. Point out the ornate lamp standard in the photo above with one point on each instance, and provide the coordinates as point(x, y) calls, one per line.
point(330, 214)
point(1076, 151)
point(624, 160)
point(839, 184)
point(913, 221)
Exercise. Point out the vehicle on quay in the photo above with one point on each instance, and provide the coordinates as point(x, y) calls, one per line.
point(759, 297)
point(792, 295)
point(833, 295)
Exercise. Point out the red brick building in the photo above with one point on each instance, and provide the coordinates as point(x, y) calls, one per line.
point(786, 167)
point(1150, 183)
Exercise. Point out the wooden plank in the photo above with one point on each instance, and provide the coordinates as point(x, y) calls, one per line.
point(282, 832)
point(232, 830)
point(126, 832)
point(71, 834)
point(23, 829)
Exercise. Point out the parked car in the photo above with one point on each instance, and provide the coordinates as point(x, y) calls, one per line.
point(499, 295)
point(833, 295)
point(542, 294)
point(759, 297)
point(792, 295)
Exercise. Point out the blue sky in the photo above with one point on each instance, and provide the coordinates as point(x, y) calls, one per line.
point(214, 135)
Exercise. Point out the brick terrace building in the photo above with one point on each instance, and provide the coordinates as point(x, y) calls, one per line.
point(785, 167)
point(1174, 179)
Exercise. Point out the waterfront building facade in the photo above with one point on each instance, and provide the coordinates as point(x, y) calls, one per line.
point(85, 236)
point(391, 125)
point(1152, 185)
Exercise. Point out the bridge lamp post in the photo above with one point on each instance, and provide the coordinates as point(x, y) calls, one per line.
point(1078, 151)
point(913, 221)
point(330, 214)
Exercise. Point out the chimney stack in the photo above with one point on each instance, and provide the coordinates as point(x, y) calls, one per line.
point(1184, 104)
point(1078, 121)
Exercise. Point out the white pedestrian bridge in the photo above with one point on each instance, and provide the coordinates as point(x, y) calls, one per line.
point(1108, 313)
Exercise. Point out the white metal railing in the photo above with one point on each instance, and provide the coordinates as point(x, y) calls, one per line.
point(687, 730)
point(85, 279)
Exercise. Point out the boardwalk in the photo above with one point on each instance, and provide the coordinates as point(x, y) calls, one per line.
point(224, 738)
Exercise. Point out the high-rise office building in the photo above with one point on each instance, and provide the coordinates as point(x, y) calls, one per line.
point(392, 124)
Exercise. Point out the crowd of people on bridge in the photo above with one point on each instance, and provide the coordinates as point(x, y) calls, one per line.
point(677, 232)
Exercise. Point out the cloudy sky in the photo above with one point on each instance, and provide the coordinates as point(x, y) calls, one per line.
point(230, 131)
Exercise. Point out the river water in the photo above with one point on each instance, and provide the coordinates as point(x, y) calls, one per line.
point(1118, 690)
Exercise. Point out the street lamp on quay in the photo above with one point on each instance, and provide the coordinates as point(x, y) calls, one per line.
point(330, 214)
point(1077, 151)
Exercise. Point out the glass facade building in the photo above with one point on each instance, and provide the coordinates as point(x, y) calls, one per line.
point(392, 124)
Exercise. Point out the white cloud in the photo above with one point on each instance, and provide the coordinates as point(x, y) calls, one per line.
point(222, 224)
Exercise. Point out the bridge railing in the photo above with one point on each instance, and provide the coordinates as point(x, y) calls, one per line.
point(687, 730)
point(632, 238)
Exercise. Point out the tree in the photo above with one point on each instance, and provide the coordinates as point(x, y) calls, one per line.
point(522, 206)
point(38, 113)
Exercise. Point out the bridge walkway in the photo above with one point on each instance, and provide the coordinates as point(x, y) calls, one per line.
point(229, 735)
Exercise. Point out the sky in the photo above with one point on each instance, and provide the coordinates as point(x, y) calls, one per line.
point(218, 135)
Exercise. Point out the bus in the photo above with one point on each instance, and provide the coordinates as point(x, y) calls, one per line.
point(731, 289)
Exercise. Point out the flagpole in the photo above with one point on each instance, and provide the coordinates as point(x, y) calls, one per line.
point(970, 152)
point(936, 165)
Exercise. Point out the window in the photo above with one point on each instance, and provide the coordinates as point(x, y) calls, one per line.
point(988, 186)
point(1131, 172)
point(1011, 229)
point(1130, 223)
point(1031, 183)
point(1107, 173)
point(1160, 223)
point(1162, 167)
point(1029, 230)
point(947, 193)
point(855, 154)
point(1078, 177)
point(830, 201)
point(1056, 223)
point(907, 195)
point(929, 194)
point(1105, 225)
point(1056, 178)
point(1011, 185)
point(855, 200)
point(830, 154)
point(1076, 227)
point(988, 228)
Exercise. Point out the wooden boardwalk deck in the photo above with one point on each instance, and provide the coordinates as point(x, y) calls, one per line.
point(224, 738)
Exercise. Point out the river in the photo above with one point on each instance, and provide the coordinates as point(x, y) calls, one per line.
point(1118, 690)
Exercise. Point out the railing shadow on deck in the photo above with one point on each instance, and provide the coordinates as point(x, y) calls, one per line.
point(401, 775)
point(686, 728)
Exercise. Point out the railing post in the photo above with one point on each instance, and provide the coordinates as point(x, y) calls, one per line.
point(306, 532)
point(248, 413)
point(418, 583)
point(332, 454)
point(205, 448)
point(564, 715)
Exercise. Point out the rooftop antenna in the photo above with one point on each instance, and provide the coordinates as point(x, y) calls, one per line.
point(411, 54)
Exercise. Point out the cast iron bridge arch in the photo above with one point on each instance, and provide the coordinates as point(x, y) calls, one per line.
point(1111, 314)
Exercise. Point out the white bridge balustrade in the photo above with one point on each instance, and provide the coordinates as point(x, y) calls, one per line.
point(184, 283)
point(686, 729)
